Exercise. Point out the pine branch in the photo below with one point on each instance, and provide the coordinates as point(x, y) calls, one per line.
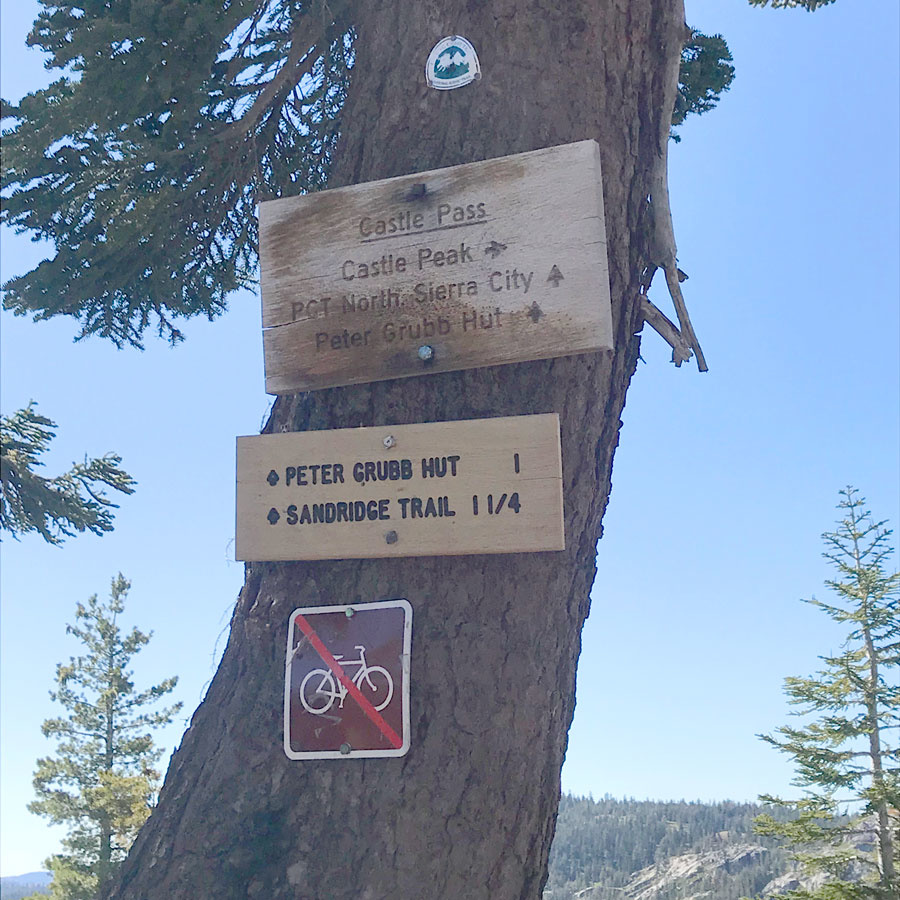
point(809, 5)
point(145, 171)
point(56, 507)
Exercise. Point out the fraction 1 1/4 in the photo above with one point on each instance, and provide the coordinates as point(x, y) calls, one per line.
point(504, 501)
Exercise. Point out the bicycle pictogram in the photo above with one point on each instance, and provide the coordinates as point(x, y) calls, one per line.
point(320, 688)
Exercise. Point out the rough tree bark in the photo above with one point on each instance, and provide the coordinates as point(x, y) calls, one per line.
point(470, 811)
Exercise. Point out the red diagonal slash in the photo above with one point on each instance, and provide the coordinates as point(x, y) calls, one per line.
point(373, 714)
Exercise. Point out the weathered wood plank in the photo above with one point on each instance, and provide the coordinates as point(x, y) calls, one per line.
point(486, 263)
point(402, 490)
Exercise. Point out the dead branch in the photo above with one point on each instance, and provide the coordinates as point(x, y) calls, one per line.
point(667, 330)
point(663, 247)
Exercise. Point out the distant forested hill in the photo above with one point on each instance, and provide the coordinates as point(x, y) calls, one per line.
point(604, 849)
point(14, 887)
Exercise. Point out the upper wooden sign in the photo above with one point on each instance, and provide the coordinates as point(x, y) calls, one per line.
point(436, 489)
point(491, 262)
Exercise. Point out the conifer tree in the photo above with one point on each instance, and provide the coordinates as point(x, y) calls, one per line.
point(55, 507)
point(102, 782)
point(847, 753)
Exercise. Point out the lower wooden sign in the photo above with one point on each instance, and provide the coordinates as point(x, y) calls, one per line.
point(434, 489)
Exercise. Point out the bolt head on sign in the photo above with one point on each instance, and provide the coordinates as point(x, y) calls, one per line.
point(346, 691)
point(452, 63)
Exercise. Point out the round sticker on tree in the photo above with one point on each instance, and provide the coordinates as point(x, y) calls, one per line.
point(451, 64)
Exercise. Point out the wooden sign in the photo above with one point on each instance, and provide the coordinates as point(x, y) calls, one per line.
point(491, 262)
point(438, 489)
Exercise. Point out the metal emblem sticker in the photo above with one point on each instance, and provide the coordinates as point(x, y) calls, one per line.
point(451, 64)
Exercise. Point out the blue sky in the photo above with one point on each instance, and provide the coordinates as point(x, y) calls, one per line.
point(785, 202)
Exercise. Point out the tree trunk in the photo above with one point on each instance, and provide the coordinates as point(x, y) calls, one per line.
point(885, 839)
point(470, 811)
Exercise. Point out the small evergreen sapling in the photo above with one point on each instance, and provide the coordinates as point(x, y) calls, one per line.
point(706, 73)
point(848, 753)
point(101, 783)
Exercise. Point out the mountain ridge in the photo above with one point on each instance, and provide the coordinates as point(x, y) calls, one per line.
point(13, 887)
point(611, 849)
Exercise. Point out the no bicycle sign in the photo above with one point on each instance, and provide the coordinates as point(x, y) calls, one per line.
point(346, 691)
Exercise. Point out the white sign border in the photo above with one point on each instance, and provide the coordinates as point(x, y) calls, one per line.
point(460, 80)
point(403, 604)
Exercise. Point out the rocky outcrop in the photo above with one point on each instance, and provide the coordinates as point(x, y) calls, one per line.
point(605, 849)
point(689, 876)
point(693, 871)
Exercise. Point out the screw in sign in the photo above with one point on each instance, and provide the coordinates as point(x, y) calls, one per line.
point(346, 691)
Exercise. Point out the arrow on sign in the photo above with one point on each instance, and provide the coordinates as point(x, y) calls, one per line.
point(272, 478)
point(494, 249)
point(534, 312)
point(273, 516)
point(555, 276)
